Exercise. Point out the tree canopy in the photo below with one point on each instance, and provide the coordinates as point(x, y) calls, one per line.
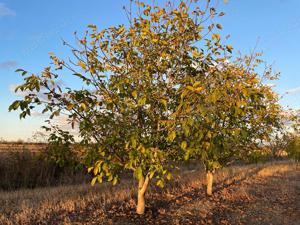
point(159, 89)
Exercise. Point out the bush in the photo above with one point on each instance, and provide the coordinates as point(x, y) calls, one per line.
point(258, 156)
point(293, 148)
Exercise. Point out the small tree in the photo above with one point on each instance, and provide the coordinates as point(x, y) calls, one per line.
point(130, 77)
point(291, 132)
point(225, 112)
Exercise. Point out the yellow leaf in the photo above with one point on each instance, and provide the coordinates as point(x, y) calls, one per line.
point(83, 106)
point(115, 181)
point(155, 40)
point(172, 136)
point(183, 145)
point(92, 70)
point(121, 30)
point(90, 169)
point(216, 36)
point(94, 181)
point(190, 88)
point(169, 176)
point(82, 65)
point(134, 94)
point(160, 183)
point(142, 101)
point(196, 84)
point(229, 48)
point(198, 89)
point(195, 53)
point(164, 102)
point(70, 106)
point(147, 11)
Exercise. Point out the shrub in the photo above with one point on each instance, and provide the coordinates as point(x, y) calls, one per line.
point(293, 148)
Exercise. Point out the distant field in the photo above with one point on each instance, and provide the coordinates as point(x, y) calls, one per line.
point(17, 147)
point(252, 194)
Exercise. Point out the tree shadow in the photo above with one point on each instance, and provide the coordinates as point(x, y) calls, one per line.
point(157, 203)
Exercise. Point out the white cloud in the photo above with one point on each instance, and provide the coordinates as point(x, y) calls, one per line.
point(5, 11)
point(293, 90)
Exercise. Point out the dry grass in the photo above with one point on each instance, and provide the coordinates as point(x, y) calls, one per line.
point(26, 169)
point(39, 205)
point(66, 204)
point(269, 171)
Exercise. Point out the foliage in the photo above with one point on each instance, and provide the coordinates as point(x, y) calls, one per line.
point(161, 89)
point(226, 111)
point(258, 156)
point(286, 140)
point(130, 78)
point(60, 151)
point(293, 148)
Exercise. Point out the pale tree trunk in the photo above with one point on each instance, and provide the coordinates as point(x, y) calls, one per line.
point(209, 178)
point(143, 184)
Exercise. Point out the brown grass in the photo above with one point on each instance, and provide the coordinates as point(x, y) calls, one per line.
point(27, 169)
point(58, 205)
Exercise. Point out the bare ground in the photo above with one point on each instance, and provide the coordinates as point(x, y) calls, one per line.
point(255, 194)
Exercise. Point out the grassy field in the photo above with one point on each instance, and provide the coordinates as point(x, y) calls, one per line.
point(252, 194)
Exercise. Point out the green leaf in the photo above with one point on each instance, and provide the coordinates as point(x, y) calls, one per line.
point(186, 155)
point(92, 26)
point(15, 105)
point(133, 142)
point(138, 173)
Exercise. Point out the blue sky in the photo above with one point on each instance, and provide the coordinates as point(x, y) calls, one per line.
point(30, 29)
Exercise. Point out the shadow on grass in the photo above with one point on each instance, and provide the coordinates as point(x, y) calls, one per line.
point(161, 208)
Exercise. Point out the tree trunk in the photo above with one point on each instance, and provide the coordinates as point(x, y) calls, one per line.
point(143, 184)
point(209, 178)
point(140, 208)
